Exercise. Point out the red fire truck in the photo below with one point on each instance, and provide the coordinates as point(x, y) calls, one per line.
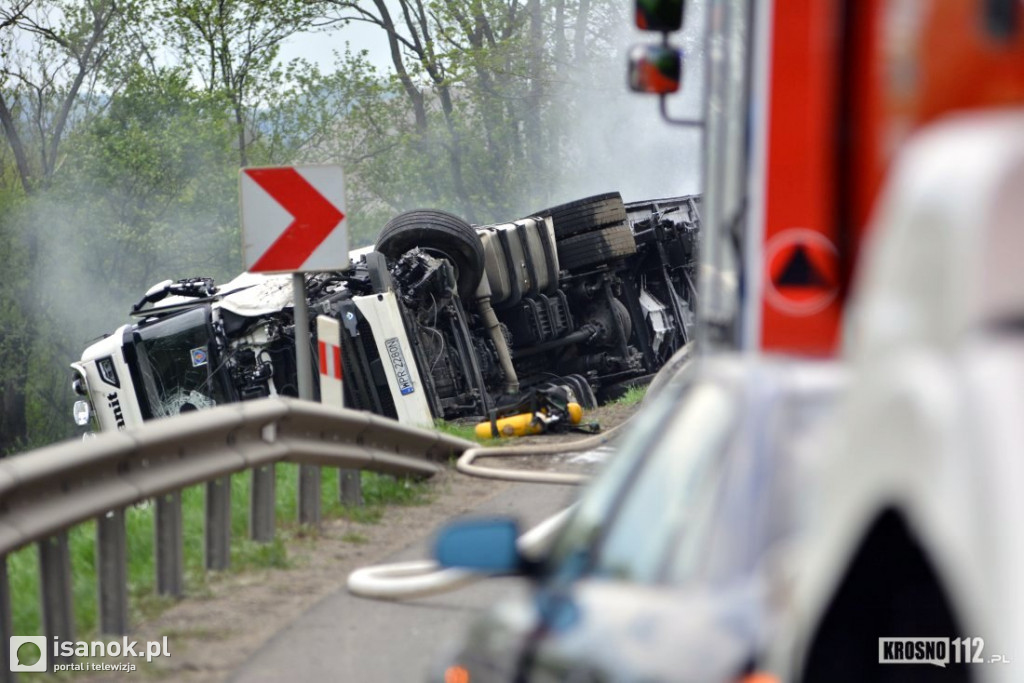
point(808, 103)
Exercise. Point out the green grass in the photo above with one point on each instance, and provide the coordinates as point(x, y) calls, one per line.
point(466, 431)
point(632, 397)
point(355, 537)
point(459, 430)
point(23, 566)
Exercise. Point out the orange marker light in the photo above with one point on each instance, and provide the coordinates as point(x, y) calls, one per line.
point(456, 674)
point(758, 677)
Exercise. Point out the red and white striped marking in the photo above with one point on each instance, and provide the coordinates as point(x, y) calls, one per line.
point(330, 360)
point(328, 333)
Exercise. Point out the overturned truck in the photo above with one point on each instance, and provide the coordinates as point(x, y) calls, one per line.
point(439, 319)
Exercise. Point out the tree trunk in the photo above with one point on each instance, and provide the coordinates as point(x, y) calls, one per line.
point(14, 140)
point(13, 424)
point(532, 120)
point(580, 39)
point(413, 93)
point(13, 403)
point(455, 157)
point(243, 156)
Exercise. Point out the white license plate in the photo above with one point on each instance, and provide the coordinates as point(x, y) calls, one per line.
point(398, 363)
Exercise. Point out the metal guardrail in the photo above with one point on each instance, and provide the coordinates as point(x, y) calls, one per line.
point(47, 491)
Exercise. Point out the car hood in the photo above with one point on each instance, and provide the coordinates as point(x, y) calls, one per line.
point(610, 630)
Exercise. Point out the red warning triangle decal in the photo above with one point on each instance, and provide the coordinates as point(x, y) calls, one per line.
point(802, 268)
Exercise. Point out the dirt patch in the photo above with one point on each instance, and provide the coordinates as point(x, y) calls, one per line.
point(211, 634)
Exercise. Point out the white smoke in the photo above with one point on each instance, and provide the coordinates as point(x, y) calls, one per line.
point(623, 141)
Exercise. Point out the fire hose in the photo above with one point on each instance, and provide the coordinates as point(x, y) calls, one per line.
point(422, 578)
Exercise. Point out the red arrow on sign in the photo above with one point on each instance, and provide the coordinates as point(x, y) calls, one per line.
point(315, 218)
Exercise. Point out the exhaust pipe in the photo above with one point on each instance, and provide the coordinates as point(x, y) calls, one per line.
point(483, 303)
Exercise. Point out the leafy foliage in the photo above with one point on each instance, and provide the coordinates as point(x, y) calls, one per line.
point(232, 47)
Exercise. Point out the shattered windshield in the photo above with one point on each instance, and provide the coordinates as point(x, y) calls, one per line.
point(175, 365)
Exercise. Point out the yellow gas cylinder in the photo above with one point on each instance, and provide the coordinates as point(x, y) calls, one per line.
point(524, 424)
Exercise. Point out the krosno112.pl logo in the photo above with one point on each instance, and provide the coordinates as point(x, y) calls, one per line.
point(935, 651)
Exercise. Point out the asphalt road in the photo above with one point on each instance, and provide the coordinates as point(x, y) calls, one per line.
point(345, 638)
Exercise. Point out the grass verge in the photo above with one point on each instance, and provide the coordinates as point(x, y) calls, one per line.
point(463, 431)
point(23, 565)
point(632, 397)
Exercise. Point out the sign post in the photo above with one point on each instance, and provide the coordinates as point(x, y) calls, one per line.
point(309, 475)
point(293, 222)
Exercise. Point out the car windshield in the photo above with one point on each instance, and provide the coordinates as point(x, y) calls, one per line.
point(665, 495)
point(754, 506)
point(174, 364)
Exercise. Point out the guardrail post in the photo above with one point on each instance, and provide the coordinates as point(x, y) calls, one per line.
point(309, 494)
point(350, 487)
point(218, 523)
point(55, 589)
point(170, 551)
point(262, 501)
point(5, 623)
point(112, 573)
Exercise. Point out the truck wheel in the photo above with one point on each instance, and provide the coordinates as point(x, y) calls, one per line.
point(441, 234)
point(596, 247)
point(583, 215)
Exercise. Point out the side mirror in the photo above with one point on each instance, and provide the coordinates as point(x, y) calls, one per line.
point(656, 69)
point(659, 15)
point(482, 545)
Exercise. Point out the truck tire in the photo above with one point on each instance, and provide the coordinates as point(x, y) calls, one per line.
point(583, 215)
point(441, 234)
point(596, 247)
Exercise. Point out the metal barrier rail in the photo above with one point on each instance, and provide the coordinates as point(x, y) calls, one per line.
point(46, 491)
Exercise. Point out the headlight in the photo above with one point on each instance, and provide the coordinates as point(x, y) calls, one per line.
point(81, 413)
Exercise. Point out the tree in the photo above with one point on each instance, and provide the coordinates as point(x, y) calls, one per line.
point(54, 52)
point(147, 191)
point(47, 85)
point(158, 172)
point(482, 86)
point(232, 46)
